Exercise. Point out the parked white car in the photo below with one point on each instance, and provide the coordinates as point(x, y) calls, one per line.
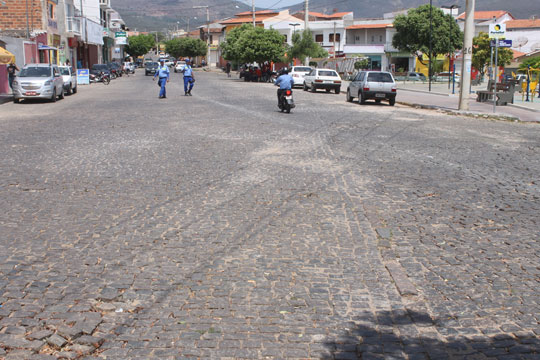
point(180, 65)
point(326, 79)
point(298, 73)
point(376, 85)
point(70, 79)
point(41, 81)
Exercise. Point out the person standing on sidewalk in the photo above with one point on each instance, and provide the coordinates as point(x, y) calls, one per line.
point(228, 69)
point(189, 79)
point(163, 73)
point(11, 68)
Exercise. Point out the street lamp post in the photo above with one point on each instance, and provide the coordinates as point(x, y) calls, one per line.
point(253, 11)
point(294, 26)
point(450, 52)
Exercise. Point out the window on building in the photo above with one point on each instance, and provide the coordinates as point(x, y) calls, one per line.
point(331, 37)
point(357, 38)
point(51, 11)
point(380, 38)
point(372, 38)
point(319, 38)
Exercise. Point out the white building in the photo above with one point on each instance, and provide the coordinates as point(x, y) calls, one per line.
point(482, 20)
point(525, 35)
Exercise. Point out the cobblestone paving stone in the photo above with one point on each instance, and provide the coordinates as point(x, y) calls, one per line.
point(213, 227)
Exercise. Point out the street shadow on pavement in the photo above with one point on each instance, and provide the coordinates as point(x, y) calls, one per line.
point(399, 334)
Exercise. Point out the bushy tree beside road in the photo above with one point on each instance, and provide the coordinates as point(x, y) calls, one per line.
point(248, 44)
point(140, 44)
point(186, 47)
point(413, 33)
point(304, 46)
point(482, 53)
point(533, 62)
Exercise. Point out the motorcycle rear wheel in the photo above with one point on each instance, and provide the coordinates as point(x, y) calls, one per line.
point(106, 81)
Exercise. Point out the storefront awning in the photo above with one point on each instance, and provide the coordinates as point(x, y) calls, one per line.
point(6, 57)
point(46, 47)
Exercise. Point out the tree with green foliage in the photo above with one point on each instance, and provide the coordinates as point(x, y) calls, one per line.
point(361, 64)
point(186, 47)
point(260, 45)
point(161, 36)
point(140, 45)
point(304, 46)
point(413, 33)
point(253, 44)
point(482, 53)
point(533, 62)
point(229, 47)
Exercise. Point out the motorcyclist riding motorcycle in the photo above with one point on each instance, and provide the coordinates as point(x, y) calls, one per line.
point(285, 82)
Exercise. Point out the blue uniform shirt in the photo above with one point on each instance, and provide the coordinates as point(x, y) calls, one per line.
point(285, 82)
point(188, 71)
point(162, 72)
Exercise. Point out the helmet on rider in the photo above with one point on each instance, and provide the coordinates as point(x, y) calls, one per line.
point(284, 71)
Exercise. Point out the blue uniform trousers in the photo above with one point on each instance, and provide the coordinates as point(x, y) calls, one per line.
point(188, 83)
point(162, 82)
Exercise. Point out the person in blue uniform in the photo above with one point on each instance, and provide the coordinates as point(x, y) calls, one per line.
point(163, 74)
point(189, 79)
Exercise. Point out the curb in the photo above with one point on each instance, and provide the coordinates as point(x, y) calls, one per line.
point(465, 113)
point(426, 92)
point(523, 107)
point(5, 99)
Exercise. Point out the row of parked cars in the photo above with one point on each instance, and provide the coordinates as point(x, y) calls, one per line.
point(365, 85)
point(44, 81)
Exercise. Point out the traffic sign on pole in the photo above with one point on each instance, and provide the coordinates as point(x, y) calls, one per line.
point(502, 43)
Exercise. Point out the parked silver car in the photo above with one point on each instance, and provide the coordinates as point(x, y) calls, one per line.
point(70, 79)
point(42, 81)
point(377, 85)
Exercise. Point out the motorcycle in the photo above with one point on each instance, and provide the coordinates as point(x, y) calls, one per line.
point(101, 77)
point(286, 101)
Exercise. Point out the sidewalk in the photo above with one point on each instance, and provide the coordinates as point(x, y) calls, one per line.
point(4, 98)
point(417, 95)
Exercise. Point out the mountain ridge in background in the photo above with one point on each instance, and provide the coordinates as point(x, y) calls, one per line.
point(160, 15)
point(522, 9)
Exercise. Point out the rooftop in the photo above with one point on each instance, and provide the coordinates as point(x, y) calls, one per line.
point(486, 15)
point(523, 23)
point(369, 26)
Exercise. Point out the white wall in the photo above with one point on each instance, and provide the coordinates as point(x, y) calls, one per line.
point(533, 39)
point(90, 9)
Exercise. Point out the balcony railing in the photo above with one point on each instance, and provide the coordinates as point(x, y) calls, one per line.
point(389, 48)
point(73, 25)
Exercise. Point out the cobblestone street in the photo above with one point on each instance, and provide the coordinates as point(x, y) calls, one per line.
point(215, 227)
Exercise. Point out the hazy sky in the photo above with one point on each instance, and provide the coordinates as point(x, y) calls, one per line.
point(267, 3)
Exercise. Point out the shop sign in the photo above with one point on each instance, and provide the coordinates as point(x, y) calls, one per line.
point(83, 76)
point(497, 31)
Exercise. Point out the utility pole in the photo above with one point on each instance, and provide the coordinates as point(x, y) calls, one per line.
point(85, 46)
point(430, 41)
point(306, 24)
point(27, 22)
point(208, 31)
point(253, 11)
point(466, 62)
point(335, 64)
